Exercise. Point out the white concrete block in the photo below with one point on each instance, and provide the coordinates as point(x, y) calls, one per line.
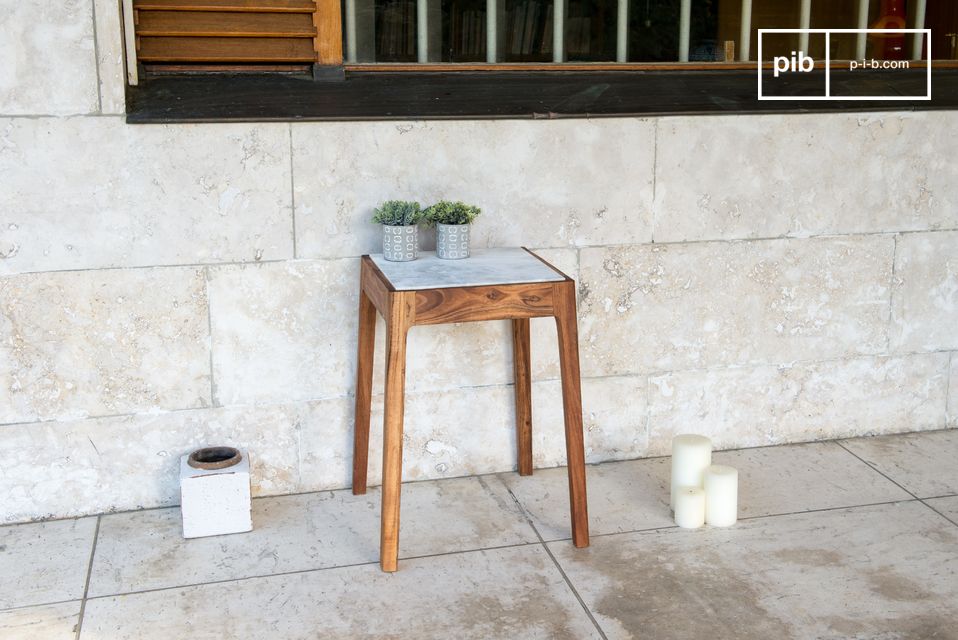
point(214, 501)
point(79, 467)
point(124, 196)
point(924, 308)
point(673, 307)
point(555, 183)
point(804, 175)
point(109, 49)
point(49, 60)
point(97, 343)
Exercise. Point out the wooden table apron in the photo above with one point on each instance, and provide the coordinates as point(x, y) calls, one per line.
point(402, 310)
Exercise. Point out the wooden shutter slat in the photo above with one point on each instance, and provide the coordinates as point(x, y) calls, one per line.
point(258, 6)
point(224, 24)
point(222, 49)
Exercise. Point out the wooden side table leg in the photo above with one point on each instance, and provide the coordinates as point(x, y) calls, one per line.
point(565, 315)
point(522, 365)
point(364, 385)
point(398, 323)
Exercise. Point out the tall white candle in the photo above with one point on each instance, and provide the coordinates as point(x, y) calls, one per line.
point(691, 454)
point(721, 495)
point(690, 507)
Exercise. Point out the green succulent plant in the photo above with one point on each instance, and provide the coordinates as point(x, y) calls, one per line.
point(398, 213)
point(446, 212)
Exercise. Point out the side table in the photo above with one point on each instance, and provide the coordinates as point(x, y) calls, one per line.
point(495, 284)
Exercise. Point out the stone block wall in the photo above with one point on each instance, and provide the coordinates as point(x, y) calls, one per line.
point(760, 279)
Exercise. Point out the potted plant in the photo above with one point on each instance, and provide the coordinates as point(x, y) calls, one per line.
point(399, 219)
point(452, 220)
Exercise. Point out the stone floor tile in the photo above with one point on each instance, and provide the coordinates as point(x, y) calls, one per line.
point(947, 507)
point(634, 494)
point(42, 562)
point(504, 593)
point(924, 463)
point(623, 496)
point(886, 571)
point(47, 622)
point(804, 477)
point(145, 550)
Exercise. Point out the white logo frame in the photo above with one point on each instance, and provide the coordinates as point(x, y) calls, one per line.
point(828, 71)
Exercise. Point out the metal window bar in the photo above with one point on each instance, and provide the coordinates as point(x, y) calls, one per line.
point(917, 51)
point(351, 45)
point(685, 20)
point(861, 40)
point(422, 31)
point(745, 34)
point(558, 31)
point(622, 32)
point(492, 30)
point(805, 21)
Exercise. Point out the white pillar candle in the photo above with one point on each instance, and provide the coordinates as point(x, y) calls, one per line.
point(690, 507)
point(721, 495)
point(691, 455)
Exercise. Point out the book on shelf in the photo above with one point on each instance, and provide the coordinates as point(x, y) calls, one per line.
point(579, 34)
point(467, 33)
point(529, 30)
point(396, 30)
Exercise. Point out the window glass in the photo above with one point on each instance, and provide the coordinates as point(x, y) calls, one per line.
point(528, 31)
point(395, 30)
point(941, 16)
point(464, 31)
point(590, 30)
point(608, 31)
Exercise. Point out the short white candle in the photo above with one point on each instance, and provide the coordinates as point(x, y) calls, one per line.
point(721, 495)
point(690, 507)
point(691, 454)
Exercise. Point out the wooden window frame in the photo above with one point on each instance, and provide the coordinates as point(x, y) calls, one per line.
point(328, 21)
point(513, 95)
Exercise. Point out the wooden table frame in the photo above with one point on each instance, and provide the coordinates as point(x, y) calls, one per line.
point(404, 309)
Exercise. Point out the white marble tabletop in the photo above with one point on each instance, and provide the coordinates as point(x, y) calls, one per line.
point(483, 267)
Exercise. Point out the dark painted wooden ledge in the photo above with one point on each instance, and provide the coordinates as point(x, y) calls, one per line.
point(472, 95)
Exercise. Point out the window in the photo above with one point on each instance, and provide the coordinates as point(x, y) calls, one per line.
point(404, 39)
point(286, 35)
point(537, 32)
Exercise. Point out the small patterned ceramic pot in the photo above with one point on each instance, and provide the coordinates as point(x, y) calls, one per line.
point(452, 241)
point(400, 244)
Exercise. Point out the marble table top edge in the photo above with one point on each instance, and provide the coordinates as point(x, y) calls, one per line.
point(485, 267)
